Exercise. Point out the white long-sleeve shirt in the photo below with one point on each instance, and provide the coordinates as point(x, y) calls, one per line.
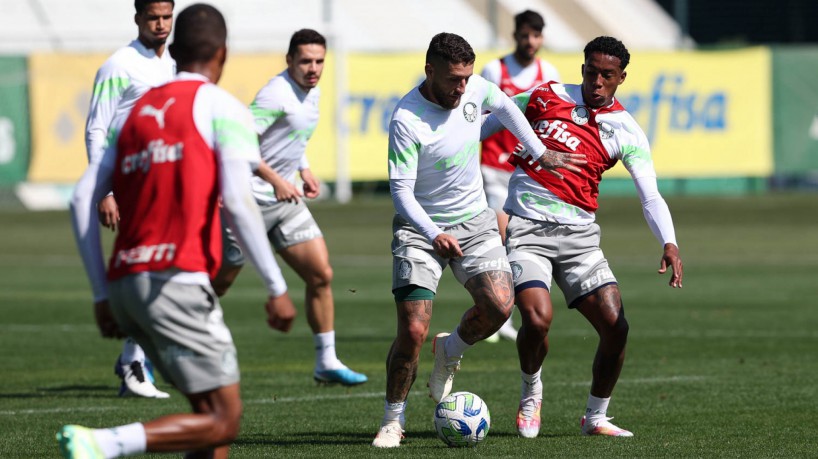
point(119, 83)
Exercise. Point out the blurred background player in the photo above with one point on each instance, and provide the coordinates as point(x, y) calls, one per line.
point(286, 114)
point(515, 73)
point(552, 232)
point(119, 83)
point(201, 147)
point(442, 219)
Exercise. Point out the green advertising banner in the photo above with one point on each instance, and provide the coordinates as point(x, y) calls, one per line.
point(795, 110)
point(14, 123)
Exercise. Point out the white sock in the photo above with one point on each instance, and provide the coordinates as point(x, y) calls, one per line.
point(394, 412)
point(597, 407)
point(121, 441)
point(325, 358)
point(455, 346)
point(532, 385)
point(131, 351)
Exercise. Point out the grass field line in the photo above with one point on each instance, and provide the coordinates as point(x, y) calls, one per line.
point(346, 396)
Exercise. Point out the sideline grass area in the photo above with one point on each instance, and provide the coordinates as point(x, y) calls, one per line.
point(725, 367)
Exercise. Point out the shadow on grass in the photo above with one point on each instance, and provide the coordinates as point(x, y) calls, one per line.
point(348, 438)
point(72, 391)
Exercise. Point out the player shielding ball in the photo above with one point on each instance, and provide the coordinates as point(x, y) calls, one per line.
point(442, 219)
point(552, 234)
point(185, 145)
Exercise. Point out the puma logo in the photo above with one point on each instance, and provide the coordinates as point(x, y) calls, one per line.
point(544, 103)
point(157, 113)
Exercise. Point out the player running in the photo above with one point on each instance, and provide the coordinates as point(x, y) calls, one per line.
point(552, 234)
point(286, 114)
point(189, 143)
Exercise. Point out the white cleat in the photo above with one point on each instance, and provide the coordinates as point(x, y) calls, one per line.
point(136, 384)
point(602, 426)
point(389, 436)
point(442, 377)
point(507, 331)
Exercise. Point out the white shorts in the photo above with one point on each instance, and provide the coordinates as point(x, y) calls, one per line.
point(569, 254)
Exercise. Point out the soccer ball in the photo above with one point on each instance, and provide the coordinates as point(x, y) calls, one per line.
point(462, 419)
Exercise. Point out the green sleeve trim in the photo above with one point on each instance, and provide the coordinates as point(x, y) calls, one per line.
point(234, 134)
point(634, 158)
point(405, 160)
point(265, 117)
point(491, 97)
point(521, 100)
point(111, 88)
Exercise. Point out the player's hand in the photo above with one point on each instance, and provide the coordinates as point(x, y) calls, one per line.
point(108, 212)
point(280, 312)
point(283, 190)
point(106, 323)
point(311, 187)
point(286, 191)
point(552, 160)
point(671, 258)
point(446, 246)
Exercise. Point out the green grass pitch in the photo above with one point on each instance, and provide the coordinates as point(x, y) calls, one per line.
point(725, 367)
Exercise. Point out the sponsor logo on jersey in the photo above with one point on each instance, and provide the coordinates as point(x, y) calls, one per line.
point(404, 269)
point(606, 131)
point(145, 254)
point(558, 131)
point(544, 103)
point(470, 112)
point(157, 113)
point(580, 114)
point(157, 152)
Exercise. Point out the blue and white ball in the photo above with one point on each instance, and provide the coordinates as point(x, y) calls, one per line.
point(462, 419)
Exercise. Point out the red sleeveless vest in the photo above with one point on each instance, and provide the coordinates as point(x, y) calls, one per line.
point(498, 148)
point(565, 126)
point(166, 183)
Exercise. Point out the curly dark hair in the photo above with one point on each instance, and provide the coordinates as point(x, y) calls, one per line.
point(610, 46)
point(450, 49)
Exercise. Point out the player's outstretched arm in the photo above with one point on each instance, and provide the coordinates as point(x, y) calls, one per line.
point(671, 258)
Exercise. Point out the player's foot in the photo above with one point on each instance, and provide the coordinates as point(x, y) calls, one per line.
point(135, 383)
point(77, 442)
point(528, 417)
point(602, 426)
point(147, 369)
point(389, 436)
point(343, 376)
point(440, 381)
point(507, 331)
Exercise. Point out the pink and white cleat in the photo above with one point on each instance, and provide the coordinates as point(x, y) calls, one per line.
point(602, 426)
point(528, 417)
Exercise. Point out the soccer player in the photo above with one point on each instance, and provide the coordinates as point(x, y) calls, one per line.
point(514, 73)
point(552, 234)
point(118, 84)
point(189, 143)
point(286, 113)
point(443, 219)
